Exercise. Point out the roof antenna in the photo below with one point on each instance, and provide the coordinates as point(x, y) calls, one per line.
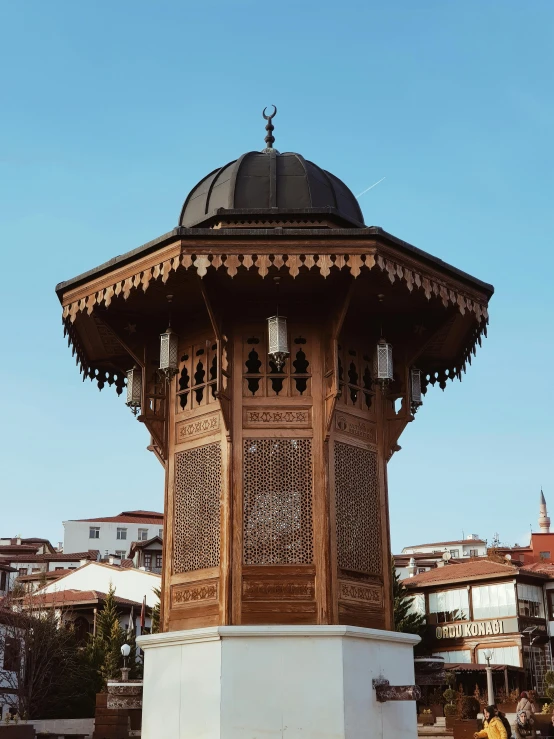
point(270, 138)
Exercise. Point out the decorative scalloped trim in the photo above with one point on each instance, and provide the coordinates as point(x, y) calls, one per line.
point(292, 263)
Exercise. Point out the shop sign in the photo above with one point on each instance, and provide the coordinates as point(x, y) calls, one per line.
point(471, 628)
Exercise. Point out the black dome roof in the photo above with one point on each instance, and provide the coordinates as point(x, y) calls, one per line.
point(270, 184)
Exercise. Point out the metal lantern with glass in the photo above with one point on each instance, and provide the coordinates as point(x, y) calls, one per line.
point(169, 349)
point(134, 389)
point(415, 389)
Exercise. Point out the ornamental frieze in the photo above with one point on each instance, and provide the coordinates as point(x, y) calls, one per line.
point(197, 427)
point(182, 595)
point(276, 417)
point(270, 589)
point(356, 427)
point(356, 592)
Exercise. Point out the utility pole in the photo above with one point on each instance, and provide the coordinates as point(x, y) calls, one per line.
point(490, 686)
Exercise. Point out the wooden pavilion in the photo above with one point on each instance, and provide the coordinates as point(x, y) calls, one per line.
point(275, 455)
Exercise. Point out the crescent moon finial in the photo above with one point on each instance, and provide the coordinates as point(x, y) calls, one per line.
point(269, 117)
point(270, 138)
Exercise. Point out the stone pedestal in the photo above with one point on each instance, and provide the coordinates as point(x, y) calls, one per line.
point(244, 682)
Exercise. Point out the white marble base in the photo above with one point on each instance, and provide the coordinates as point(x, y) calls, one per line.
point(291, 682)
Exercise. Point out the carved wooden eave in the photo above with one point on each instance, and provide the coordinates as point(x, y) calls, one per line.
point(265, 253)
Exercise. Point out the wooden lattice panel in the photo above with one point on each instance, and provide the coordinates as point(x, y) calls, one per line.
point(196, 534)
point(357, 510)
point(261, 376)
point(277, 476)
point(355, 376)
point(197, 377)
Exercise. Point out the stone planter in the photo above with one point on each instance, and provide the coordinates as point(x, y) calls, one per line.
point(450, 721)
point(542, 722)
point(465, 728)
point(426, 719)
point(124, 695)
point(17, 731)
point(507, 707)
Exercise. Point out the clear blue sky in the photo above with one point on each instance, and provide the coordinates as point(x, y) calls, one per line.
point(112, 111)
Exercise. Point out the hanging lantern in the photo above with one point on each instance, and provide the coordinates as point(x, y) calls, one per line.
point(415, 389)
point(278, 340)
point(134, 389)
point(169, 353)
point(383, 362)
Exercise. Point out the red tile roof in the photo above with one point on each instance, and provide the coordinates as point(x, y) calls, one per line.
point(50, 575)
point(462, 572)
point(142, 544)
point(446, 543)
point(544, 568)
point(75, 597)
point(92, 555)
point(128, 517)
point(7, 549)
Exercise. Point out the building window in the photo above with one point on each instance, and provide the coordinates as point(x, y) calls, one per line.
point(494, 601)
point(158, 561)
point(500, 656)
point(420, 570)
point(530, 601)
point(120, 553)
point(417, 604)
point(455, 655)
point(22, 571)
point(121, 533)
point(143, 534)
point(35, 570)
point(455, 553)
point(473, 552)
point(544, 555)
point(58, 568)
point(3, 579)
point(161, 533)
point(450, 605)
point(94, 532)
point(11, 654)
point(148, 560)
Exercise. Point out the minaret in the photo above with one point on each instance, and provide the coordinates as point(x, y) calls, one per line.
point(544, 521)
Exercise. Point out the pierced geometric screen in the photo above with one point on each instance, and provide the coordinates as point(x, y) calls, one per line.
point(277, 475)
point(357, 510)
point(196, 537)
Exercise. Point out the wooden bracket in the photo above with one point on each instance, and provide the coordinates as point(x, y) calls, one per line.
point(332, 371)
point(223, 375)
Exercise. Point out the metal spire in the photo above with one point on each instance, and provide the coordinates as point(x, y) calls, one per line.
point(270, 138)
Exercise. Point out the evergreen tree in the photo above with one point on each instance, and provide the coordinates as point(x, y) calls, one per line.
point(110, 637)
point(156, 612)
point(405, 620)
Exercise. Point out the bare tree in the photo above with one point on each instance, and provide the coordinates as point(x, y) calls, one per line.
point(44, 672)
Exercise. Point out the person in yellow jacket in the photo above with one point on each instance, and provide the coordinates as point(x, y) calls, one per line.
point(493, 726)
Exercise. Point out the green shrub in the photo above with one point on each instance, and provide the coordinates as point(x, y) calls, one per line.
point(449, 695)
point(450, 679)
point(450, 710)
point(469, 707)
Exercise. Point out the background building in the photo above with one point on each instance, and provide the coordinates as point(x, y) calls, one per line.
point(112, 535)
point(474, 606)
point(471, 546)
point(147, 554)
